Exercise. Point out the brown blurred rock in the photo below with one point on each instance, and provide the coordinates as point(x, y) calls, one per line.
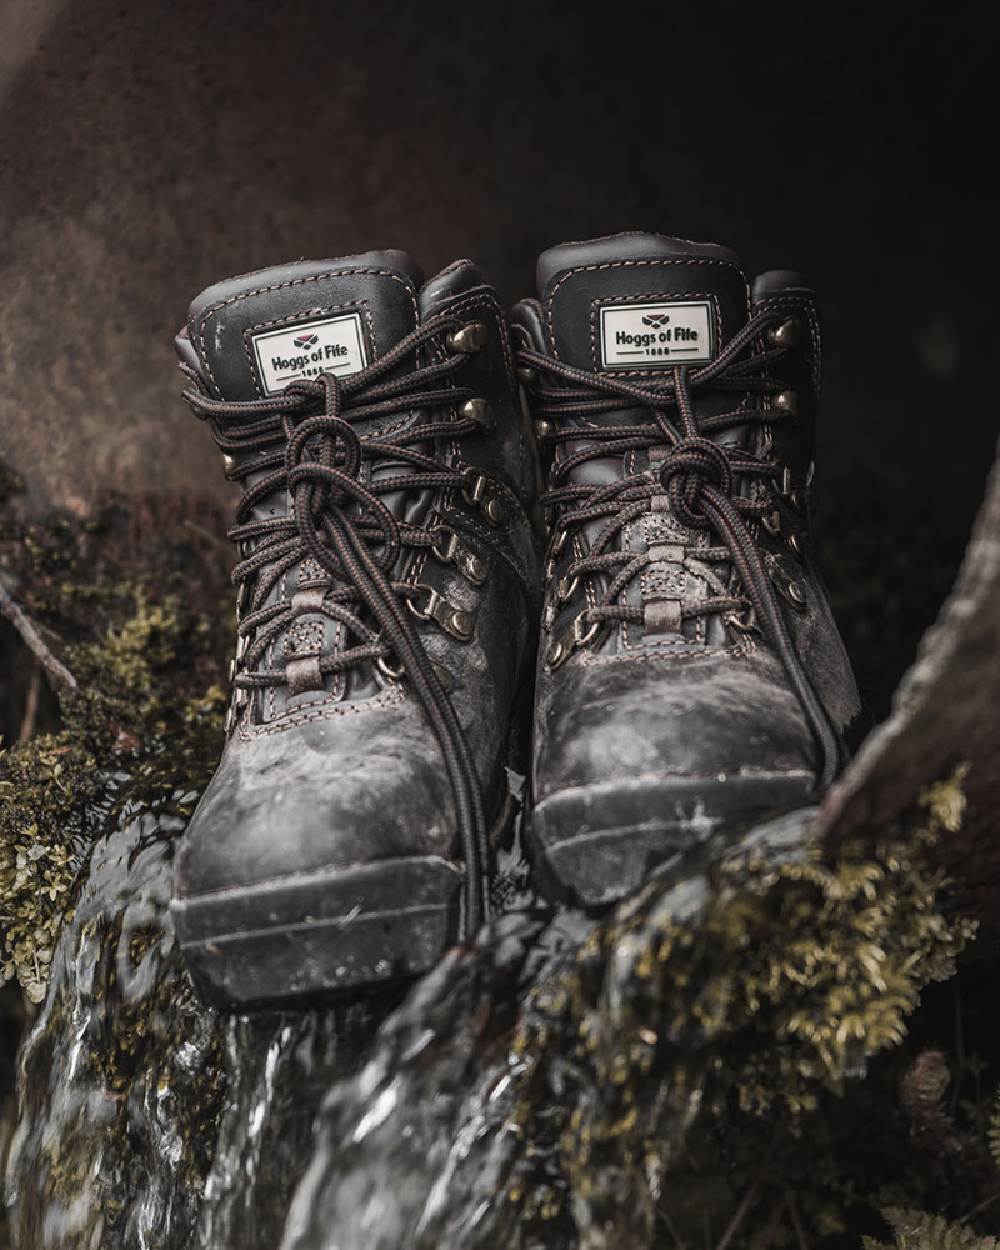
point(946, 713)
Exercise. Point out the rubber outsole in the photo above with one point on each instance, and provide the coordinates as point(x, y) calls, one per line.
point(594, 845)
point(320, 934)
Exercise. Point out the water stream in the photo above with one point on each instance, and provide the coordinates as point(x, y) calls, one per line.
point(519, 1096)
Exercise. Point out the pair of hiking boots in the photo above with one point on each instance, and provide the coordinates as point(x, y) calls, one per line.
point(591, 514)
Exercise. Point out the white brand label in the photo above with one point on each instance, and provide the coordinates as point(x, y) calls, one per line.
point(643, 336)
point(303, 351)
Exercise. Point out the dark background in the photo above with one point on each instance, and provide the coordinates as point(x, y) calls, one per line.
point(149, 149)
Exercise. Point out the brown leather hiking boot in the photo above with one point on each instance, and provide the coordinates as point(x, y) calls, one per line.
point(691, 676)
point(388, 589)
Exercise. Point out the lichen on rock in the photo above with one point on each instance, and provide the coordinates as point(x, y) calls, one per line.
point(143, 723)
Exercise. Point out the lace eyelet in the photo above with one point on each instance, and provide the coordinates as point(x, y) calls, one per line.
point(453, 620)
point(470, 338)
point(788, 334)
point(560, 649)
point(389, 671)
point(787, 490)
point(479, 411)
point(543, 430)
point(448, 548)
point(786, 402)
point(566, 588)
point(741, 625)
point(791, 592)
point(480, 492)
point(795, 596)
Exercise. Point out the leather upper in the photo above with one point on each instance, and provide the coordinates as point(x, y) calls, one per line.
point(705, 699)
point(352, 772)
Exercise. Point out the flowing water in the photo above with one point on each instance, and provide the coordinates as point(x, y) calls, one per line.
point(149, 1121)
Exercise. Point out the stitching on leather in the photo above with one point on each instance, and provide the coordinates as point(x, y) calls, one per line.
point(449, 503)
point(597, 304)
point(387, 698)
point(372, 270)
point(683, 649)
point(802, 304)
point(629, 466)
point(487, 299)
point(636, 264)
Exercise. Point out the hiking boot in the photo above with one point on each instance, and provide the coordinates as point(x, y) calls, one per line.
point(388, 593)
point(690, 677)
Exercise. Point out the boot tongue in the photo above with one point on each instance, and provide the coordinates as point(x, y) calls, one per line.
point(640, 302)
point(250, 336)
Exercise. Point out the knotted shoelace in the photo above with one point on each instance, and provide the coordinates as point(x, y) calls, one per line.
point(303, 441)
point(700, 477)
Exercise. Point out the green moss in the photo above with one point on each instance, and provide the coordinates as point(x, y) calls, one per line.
point(754, 1003)
point(134, 732)
point(916, 1231)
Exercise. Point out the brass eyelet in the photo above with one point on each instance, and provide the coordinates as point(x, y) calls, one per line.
point(772, 523)
point(796, 598)
point(787, 490)
point(787, 586)
point(566, 587)
point(494, 511)
point(742, 625)
point(791, 592)
point(558, 652)
point(560, 649)
point(448, 548)
point(543, 429)
point(472, 337)
point(480, 492)
point(479, 411)
point(788, 334)
point(474, 486)
point(786, 402)
point(453, 620)
point(389, 671)
point(526, 374)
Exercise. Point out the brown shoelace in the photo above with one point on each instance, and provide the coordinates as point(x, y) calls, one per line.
point(303, 442)
point(700, 477)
